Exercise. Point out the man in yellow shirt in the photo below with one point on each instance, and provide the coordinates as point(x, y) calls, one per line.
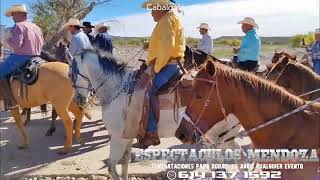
point(166, 47)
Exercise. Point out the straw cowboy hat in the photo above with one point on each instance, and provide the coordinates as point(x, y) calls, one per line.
point(317, 31)
point(101, 25)
point(249, 20)
point(204, 26)
point(149, 3)
point(72, 22)
point(16, 8)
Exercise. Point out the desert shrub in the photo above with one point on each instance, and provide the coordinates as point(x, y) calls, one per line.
point(229, 42)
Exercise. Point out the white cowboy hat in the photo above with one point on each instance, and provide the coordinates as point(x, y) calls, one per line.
point(249, 20)
point(150, 3)
point(317, 31)
point(101, 25)
point(16, 8)
point(72, 22)
point(204, 26)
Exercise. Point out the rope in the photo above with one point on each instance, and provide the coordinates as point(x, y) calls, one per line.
point(245, 133)
point(311, 92)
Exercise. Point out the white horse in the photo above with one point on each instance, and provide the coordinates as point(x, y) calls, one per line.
point(113, 85)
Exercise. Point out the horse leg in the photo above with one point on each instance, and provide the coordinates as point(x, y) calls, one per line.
point(26, 112)
point(117, 148)
point(125, 161)
point(52, 129)
point(76, 111)
point(17, 118)
point(67, 122)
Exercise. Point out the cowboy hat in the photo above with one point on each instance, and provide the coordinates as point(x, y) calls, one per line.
point(204, 26)
point(87, 24)
point(317, 31)
point(250, 21)
point(72, 22)
point(16, 8)
point(101, 25)
point(150, 3)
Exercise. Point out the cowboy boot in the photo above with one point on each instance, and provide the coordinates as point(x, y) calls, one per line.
point(150, 138)
point(6, 93)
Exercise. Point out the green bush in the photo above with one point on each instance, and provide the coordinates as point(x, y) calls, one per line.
point(191, 42)
point(297, 40)
point(229, 42)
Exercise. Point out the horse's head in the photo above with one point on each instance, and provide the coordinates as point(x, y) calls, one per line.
point(205, 108)
point(277, 69)
point(295, 77)
point(80, 78)
point(194, 58)
point(277, 56)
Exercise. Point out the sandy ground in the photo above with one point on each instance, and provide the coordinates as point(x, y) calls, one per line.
point(41, 158)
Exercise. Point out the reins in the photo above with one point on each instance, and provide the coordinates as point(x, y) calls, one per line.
point(242, 133)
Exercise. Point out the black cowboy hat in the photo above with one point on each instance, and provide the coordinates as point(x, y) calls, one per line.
point(87, 24)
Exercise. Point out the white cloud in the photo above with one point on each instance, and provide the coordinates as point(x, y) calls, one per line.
point(275, 18)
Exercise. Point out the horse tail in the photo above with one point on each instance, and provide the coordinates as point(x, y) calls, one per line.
point(44, 109)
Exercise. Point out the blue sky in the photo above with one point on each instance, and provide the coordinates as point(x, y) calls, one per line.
point(275, 17)
point(111, 10)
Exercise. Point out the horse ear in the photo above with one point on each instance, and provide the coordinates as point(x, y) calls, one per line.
point(210, 68)
point(294, 58)
point(275, 51)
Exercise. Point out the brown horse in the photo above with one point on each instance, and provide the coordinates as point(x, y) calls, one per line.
point(295, 77)
point(53, 85)
point(279, 55)
point(253, 101)
point(60, 56)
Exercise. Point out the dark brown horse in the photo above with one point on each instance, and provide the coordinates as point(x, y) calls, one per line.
point(279, 55)
point(254, 101)
point(296, 77)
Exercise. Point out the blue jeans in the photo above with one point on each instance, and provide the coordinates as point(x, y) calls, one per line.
point(316, 66)
point(159, 80)
point(12, 63)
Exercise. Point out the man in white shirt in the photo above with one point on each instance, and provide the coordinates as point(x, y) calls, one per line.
point(206, 43)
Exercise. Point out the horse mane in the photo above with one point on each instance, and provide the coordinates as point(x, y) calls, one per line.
point(108, 63)
point(305, 71)
point(259, 87)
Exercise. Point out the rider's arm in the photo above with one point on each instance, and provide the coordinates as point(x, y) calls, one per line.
point(166, 38)
point(16, 40)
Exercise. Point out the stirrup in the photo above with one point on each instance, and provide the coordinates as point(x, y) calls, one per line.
point(140, 145)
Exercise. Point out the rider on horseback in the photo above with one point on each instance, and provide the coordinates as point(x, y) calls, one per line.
point(248, 53)
point(166, 48)
point(26, 41)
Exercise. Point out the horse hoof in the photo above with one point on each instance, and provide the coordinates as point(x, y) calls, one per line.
point(81, 142)
point(21, 147)
point(50, 132)
point(64, 151)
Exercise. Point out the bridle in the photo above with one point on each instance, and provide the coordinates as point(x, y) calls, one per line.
point(74, 76)
point(196, 124)
point(215, 86)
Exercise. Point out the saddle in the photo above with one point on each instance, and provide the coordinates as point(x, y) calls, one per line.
point(140, 103)
point(29, 73)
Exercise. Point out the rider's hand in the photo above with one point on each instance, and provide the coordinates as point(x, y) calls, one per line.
point(145, 45)
point(143, 66)
point(236, 50)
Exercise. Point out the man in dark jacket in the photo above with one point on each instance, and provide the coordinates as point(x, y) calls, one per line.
point(103, 40)
point(87, 29)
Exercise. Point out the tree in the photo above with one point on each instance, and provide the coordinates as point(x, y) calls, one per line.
point(51, 15)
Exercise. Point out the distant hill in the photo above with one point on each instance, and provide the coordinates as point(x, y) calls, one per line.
point(269, 40)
